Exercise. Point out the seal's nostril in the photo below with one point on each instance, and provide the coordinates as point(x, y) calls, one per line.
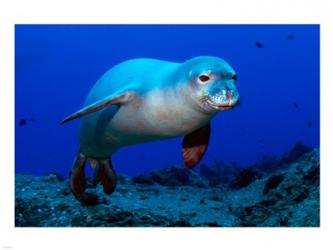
point(229, 94)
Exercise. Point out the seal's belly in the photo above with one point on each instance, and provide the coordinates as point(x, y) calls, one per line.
point(135, 125)
point(155, 117)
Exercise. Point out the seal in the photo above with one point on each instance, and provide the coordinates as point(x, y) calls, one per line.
point(143, 100)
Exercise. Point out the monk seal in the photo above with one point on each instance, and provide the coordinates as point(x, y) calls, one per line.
point(143, 100)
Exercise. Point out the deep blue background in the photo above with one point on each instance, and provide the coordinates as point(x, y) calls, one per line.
point(56, 66)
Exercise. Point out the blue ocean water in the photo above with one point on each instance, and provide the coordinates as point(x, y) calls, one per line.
point(56, 66)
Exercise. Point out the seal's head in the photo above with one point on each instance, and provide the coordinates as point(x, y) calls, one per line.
point(212, 83)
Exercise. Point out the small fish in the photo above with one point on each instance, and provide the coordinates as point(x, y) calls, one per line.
point(291, 37)
point(295, 105)
point(259, 45)
point(22, 122)
point(309, 124)
point(33, 119)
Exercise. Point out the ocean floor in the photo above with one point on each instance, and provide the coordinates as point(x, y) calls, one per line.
point(275, 192)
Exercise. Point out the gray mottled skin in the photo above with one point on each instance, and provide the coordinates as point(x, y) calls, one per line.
point(163, 100)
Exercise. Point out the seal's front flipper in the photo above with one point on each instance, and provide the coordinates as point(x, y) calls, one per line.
point(110, 100)
point(106, 175)
point(195, 145)
point(77, 176)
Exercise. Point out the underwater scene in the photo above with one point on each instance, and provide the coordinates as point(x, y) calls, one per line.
point(167, 125)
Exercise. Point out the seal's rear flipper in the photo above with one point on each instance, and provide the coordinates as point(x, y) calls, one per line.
point(110, 100)
point(106, 175)
point(195, 145)
point(77, 176)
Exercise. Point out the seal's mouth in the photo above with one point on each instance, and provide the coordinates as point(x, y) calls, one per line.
point(220, 102)
point(221, 107)
point(224, 107)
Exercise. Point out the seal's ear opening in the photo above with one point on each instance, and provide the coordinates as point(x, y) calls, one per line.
point(96, 106)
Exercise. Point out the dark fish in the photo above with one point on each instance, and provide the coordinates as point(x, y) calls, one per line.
point(22, 122)
point(291, 37)
point(309, 124)
point(295, 105)
point(259, 45)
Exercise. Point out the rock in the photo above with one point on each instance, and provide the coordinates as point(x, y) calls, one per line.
point(123, 218)
point(66, 191)
point(267, 203)
point(297, 151)
point(291, 198)
point(173, 176)
point(245, 178)
point(269, 164)
point(180, 223)
point(213, 224)
point(312, 175)
point(216, 198)
point(149, 190)
point(27, 210)
point(90, 182)
point(144, 180)
point(177, 176)
point(54, 176)
point(123, 179)
point(219, 173)
point(311, 171)
point(273, 182)
point(89, 199)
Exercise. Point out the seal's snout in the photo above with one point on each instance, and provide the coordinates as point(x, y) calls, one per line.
point(226, 99)
point(234, 102)
point(233, 97)
point(229, 95)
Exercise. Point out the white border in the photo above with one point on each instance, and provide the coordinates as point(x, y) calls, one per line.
point(149, 11)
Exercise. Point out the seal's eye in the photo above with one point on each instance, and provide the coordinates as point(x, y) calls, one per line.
point(204, 78)
point(234, 77)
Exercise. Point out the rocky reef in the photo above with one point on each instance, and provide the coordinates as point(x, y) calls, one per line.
point(277, 191)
